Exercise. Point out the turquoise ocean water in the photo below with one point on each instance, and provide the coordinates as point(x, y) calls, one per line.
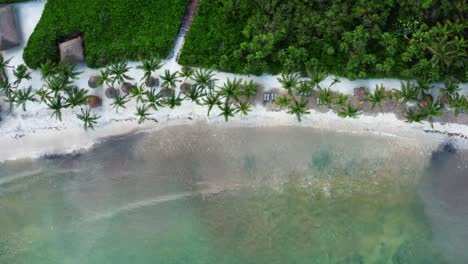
point(198, 194)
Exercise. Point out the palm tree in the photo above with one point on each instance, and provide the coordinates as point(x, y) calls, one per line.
point(10, 99)
point(58, 84)
point(377, 97)
point(138, 92)
point(69, 72)
point(340, 99)
point(194, 93)
point(282, 101)
point(23, 96)
point(77, 97)
point(149, 66)
point(450, 88)
point(56, 105)
point(408, 92)
point(104, 77)
point(119, 101)
point(298, 108)
point(244, 108)
point(231, 88)
point(227, 111)
point(203, 77)
point(88, 120)
point(317, 75)
point(48, 69)
point(458, 103)
point(4, 64)
point(44, 94)
point(153, 99)
point(305, 88)
point(249, 89)
point(142, 113)
point(211, 100)
point(414, 116)
point(335, 80)
point(6, 88)
point(441, 56)
point(433, 109)
point(186, 72)
point(172, 101)
point(118, 72)
point(423, 85)
point(170, 80)
point(21, 73)
point(289, 81)
point(326, 97)
point(349, 111)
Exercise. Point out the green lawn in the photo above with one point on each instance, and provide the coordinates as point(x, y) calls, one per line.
point(113, 29)
point(357, 39)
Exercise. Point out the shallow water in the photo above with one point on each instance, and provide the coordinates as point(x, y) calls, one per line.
point(198, 194)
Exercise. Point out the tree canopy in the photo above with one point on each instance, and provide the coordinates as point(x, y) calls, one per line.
point(356, 39)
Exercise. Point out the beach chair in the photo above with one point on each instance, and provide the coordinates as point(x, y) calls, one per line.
point(266, 97)
point(273, 97)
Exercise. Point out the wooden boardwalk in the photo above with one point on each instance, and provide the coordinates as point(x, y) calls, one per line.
point(184, 28)
point(189, 15)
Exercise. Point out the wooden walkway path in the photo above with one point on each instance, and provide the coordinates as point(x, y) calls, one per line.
point(184, 28)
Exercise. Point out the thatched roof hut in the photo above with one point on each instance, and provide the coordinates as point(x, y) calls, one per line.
point(127, 87)
point(361, 93)
point(185, 86)
point(166, 92)
point(94, 81)
point(111, 92)
point(72, 51)
point(426, 100)
point(9, 36)
point(94, 101)
point(152, 82)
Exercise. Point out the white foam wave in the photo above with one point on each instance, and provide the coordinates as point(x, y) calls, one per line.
point(145, 203)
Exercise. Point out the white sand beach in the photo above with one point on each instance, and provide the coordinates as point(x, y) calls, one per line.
point(34, 133)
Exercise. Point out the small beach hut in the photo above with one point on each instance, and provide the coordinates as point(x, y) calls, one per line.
point(361, 93)
point(9, 36)
point(72, 51)
point(185, 87)
point(94, 81)
point(111, 92)
point(152, 82)
point(94, 101)
point(127, 87)
point(166, 92)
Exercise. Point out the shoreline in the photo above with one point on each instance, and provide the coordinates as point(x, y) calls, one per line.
point(34, 133)
point(40, 142)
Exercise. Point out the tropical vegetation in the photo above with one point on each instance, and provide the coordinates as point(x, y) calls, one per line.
point(235, 96)
point(418, 40)
point(113, 30)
